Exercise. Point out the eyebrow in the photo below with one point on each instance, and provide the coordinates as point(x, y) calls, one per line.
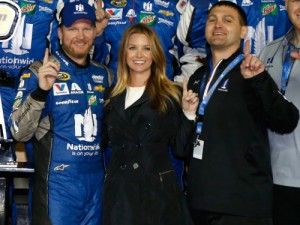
point(214, 15)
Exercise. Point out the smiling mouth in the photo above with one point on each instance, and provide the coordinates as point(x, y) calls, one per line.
point(80, 43)
point(218, 33)
point(139, 62)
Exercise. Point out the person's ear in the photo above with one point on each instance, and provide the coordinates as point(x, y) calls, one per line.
point(59, 31)
point(244, 32)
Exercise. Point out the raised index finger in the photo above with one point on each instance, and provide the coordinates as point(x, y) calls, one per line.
point(46, 57)
point(184, 85)
point(247, 49)
point(99, 4)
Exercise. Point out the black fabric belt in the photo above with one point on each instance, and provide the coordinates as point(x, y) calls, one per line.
point(5, 80)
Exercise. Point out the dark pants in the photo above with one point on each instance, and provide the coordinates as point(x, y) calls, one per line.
point(210, 218)
point(286, 205)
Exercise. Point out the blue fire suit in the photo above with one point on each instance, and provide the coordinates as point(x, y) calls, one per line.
point(27, 45)
point(65, 126)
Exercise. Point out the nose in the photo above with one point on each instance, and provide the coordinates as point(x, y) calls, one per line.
point(139, 53)
point(80, 34)
point(218, 23)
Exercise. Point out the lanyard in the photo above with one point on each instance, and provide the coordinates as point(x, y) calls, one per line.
point(286, 70)
point(209, 93)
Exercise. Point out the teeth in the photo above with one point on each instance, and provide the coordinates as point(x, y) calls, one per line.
point(138, 62)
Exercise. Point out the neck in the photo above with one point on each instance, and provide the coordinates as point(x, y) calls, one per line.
point(79, 61)
point(82, 61)
point(218, 55)
point(138, 80)
point(297, 38)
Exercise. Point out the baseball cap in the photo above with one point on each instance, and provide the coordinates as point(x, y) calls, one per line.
point(75, 11)
point(200, 3)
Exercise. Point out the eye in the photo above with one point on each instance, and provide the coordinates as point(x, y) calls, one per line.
point(88, 29)
point(131, 48)
point(210, 20)
point(147, 49)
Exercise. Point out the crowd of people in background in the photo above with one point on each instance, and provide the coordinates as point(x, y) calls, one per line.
point(162, 111)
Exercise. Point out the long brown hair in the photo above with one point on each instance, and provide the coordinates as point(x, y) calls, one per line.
point(159, 87)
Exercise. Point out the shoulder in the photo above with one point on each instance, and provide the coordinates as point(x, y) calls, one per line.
point(196, 76)
point(107, 92)
point(272, 47)
point(276, 42)
point(108, 71)
point(34, 67)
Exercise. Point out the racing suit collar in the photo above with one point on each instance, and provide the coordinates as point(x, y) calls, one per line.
point(65, 58)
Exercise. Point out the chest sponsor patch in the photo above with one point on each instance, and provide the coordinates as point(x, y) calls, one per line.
point(60, 89)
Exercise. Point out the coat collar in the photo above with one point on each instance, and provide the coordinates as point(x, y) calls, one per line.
point(119, 100)
point(118, 105)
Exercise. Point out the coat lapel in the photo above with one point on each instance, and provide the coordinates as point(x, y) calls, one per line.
point(126, 123)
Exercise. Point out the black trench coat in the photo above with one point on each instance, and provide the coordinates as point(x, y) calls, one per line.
point(141, 187)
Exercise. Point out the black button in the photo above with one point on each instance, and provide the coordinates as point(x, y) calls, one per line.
point(138, 145)
point(123, 167)
point(147, 126)
point(135, 165)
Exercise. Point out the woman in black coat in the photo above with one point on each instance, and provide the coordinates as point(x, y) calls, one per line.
point(145, 114)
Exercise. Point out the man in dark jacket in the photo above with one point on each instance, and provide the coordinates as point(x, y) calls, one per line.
point(230, 177)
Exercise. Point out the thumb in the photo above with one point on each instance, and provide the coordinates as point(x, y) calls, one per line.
point(295, 55)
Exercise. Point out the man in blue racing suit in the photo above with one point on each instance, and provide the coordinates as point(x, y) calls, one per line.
point(59, 105)
point(27, 45)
